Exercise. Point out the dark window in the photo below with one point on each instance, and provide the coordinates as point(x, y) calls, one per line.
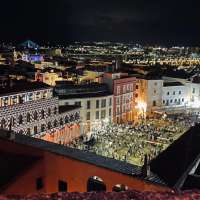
point(35, 129)
point(42, 114)
point(136, 95)
point(97, 103)
point(173, 92)
point(163, 101)
point(20, 119)
point(109, 112)
point(167, 93)
point(28, 117)
point(88, 115)
point(66, 103)
point(88, 104)
point(179, 92)
point(42, 127)
point(49, 125)
point(66, 119)
point(78, 103)
point(103, 114)
point(61, 121)
point(55, 111)
point(97, 114)
point(49, 111)
point(12, 121)
point(62, 186)
point(103, 103)
point(55, 123)
point(28, 131)
point(136, 86)
point(39, 183)
point(35, 115)
point(110, 101)
point(154, 103)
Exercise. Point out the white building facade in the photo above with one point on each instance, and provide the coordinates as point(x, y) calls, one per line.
point(175, 94)
point(97, 109)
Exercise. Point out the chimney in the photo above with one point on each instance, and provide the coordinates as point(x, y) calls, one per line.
point(145, 170)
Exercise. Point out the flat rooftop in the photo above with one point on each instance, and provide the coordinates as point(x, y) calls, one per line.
point(168, 84)
point(66, 108)
point(21, 87)
point(85, 95)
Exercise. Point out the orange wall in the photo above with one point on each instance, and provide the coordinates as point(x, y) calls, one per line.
point(26, 181)
point(75, 173)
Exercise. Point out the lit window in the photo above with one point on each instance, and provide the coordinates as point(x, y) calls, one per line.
point(118, 90)
point(124, 89)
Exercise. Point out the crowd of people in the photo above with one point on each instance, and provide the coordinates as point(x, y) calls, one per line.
point(130, 142)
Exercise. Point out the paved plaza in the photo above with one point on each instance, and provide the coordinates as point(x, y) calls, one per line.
point(130, 142)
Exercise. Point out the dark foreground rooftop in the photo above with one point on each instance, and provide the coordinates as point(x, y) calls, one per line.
point(171, 164)
point(132, 194)
point(91, 158)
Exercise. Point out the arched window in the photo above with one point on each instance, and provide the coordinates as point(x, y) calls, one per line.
point(20, 119)
point(28, 117)
point(95, 184)
point(119, 188)
point(35, 115)
point(42, 114)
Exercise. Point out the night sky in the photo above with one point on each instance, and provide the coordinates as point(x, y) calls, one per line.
point(161, 22)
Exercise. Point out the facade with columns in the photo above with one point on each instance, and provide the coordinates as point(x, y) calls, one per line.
point(31, 109)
